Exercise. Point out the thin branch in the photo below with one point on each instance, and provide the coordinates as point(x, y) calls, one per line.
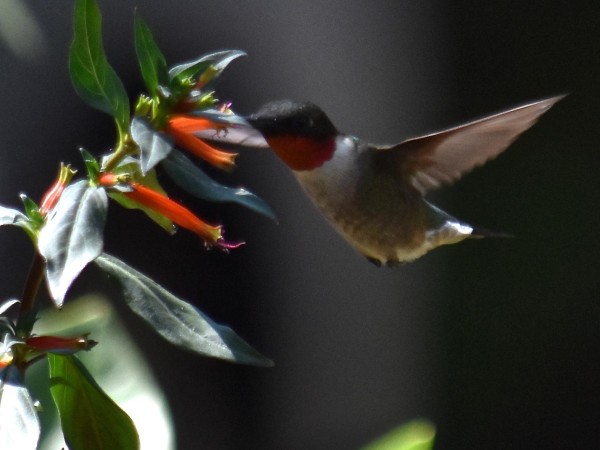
point(32, 286)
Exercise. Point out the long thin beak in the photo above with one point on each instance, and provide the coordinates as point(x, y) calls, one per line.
point(255, 122)
point(243, 132)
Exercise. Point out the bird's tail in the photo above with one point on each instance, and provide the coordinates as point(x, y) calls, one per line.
point(480, 233)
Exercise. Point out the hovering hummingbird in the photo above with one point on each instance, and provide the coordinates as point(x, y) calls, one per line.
point(374, 195)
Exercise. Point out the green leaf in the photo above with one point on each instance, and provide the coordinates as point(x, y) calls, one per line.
point(192, 69)
point(9, 216)
point(414, 435)
point(193, 180)
point(19, 423)
point(32, 210)
point(176, 320)
point(154, 145)
point(93, 78)
point(34, 219)
point(72, 236)
point(90, 419)
point(91, 164)
point(117, 364)
point(152, 62)
point(4, 307)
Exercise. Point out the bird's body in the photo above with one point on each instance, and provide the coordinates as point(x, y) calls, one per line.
point(383, 219)
point(374, 195)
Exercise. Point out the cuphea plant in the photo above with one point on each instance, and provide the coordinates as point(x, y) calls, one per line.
point(179, 113)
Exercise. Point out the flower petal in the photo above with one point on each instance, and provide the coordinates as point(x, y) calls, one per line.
point(179, 214)
point(181, 128)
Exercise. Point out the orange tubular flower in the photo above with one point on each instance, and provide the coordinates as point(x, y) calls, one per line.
point(183, 127)
point(59, 344)
point(52, 195)
point(178, 214)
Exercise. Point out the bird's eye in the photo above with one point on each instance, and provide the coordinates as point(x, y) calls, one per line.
point(302, 123)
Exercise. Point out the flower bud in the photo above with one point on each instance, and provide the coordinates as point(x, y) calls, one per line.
point(59, 344)
point(52, 195)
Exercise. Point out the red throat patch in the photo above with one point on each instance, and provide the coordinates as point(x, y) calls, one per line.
point(300, 152)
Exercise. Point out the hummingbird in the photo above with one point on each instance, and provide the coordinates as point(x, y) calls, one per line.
point(374, 195)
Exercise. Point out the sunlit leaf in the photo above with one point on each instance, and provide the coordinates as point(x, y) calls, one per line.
point(218, 61)
point(7, 305)
point(154, 145)
point(93, 78)
point(7, 327)
point(414, 435)
point(152, 61)
point(19, 423)
point(32, 210)
point(72, 236)
point(9, 216)
point(176, 320)
point(124, 375)
point(90, 419)
point(91, 164)
point(189, 177)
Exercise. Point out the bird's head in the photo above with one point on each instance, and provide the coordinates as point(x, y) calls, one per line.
point(299, 133)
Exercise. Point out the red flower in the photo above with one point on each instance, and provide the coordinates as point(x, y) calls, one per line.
point(52, 195)
point(59, 344)
point(178, 214)
point(183, 127)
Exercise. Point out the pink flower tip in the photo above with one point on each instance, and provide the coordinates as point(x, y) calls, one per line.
point(226, 246)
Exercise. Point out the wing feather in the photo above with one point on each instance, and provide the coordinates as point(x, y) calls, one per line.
point(441, 158)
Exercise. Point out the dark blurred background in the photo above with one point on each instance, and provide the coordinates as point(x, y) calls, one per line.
point(496, 341)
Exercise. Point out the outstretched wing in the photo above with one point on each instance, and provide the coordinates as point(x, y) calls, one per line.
point(441, 158)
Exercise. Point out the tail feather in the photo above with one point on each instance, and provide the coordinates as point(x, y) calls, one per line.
point(479, 233)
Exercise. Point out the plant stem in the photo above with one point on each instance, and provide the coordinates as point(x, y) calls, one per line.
point(117, 156)
point(32, 285)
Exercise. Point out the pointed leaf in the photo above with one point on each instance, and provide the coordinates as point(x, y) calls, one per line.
point(93, 78)
point(218, 60)
point(19, 423)
point(9, 216)
point(7, 305)
point(91, 164)
point(72, 236)
point(90, 419)
point(152, 61)
point(7, 328)
point(193, 180)
point(31, 209)
point(176, 320)
point(154, 145)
